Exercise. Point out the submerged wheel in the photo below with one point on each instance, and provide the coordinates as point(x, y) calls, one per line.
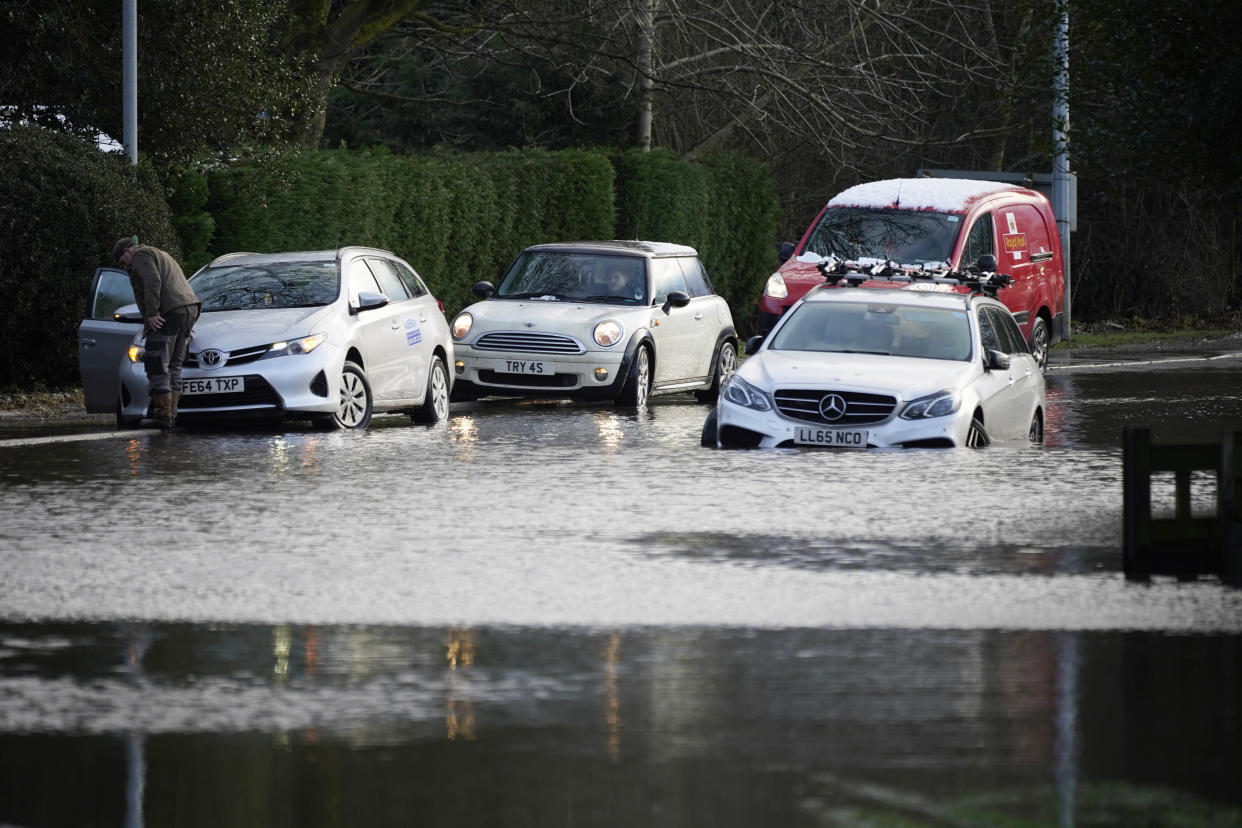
point(710, 429)
point(977, 435)
point(637, 387)
point(1039, 341)
point(1036, 432)
point(435, 405)
point(726, 364)
point(354, 408)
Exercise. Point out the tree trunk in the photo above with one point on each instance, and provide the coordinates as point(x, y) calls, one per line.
point(646, 72)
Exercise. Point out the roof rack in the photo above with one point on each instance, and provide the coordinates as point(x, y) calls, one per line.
point(979, 279)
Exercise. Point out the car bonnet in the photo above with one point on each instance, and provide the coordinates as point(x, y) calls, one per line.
point(227, 330)
point(575, 318)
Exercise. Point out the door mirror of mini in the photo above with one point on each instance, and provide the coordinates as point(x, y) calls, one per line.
point(676, 299)
point(484, 290)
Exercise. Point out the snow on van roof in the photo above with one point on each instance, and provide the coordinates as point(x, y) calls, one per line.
point(946, 195)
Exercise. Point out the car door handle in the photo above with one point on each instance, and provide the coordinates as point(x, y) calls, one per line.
point(89, 343)
point(698, 316)
point(396, 326)
point(422, 318)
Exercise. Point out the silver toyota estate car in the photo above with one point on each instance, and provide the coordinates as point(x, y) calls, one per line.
point(860, 367)
point(598, 320)
point(330, 336)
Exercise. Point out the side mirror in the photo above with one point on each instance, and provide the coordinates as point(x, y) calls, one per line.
point(997, 361)
point(986, 263)
point(785, 250)
point(127, 313)
point(754, 344)
point(484, 290)
point(676, 299)
point(369, 301)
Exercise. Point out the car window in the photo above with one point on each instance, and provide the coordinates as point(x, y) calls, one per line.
point(988, 337)
point(390, 283)
point(877, 327)
point(361, 280)
point(114, 291)
point(1007, 331)
point(695, 276)
point(904, 236)
point(666, 277)
point(413, 283)
point(979, 242)
point(266, 285)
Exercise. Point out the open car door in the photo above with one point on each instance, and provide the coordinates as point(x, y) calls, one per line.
point(103, 340)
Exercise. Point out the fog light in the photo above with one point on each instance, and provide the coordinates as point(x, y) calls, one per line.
point(601, 374)
point(459, 367)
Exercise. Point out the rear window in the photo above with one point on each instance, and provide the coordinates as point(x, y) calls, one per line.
point(267, 286)
point(876, 328)
point(909, 237)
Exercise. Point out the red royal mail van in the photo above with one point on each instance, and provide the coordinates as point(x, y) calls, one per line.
point(931, 225)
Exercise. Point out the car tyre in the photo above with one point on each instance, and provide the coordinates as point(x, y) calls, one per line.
point(637, 388)
point(354, 410)
point(1038, 341)
point(710, 431)
point(435, 405)
point(726, 364)
point(122, 421)
point(1036, 432)
point(977, 436)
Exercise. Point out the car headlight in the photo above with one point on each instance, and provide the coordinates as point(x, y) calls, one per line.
point(776, 287)
point(934, 405)
point(607, 333)
point(299, 346)
point(740, 392)
point(462, 324)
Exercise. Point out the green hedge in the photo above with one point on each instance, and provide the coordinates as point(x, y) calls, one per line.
point(456, 219)
point(62, 205)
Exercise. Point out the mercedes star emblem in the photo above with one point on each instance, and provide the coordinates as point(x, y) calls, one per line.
point(832, 407)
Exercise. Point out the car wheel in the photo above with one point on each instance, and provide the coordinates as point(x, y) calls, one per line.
point(977, 435)
point(1039, 342)
point(354, 410)
point(726, 363)
point(708, 438)
point(638, 385)
point(1036, 432)
point(435, 405)
point(121, 420)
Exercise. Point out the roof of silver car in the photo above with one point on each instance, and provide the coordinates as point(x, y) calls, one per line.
point(650, 249)
point(293, 256)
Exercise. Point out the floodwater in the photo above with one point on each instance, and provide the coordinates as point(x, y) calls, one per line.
point(556, 615)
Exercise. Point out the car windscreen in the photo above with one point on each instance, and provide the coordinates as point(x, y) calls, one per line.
point(267, 286)
point(911, 237)
point(578, 276)
point(876, 328)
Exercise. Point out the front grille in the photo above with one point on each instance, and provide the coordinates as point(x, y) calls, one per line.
point(535, 343)
point(258, 392)
point(860, 409)
point(529, 380)
point(238, 357)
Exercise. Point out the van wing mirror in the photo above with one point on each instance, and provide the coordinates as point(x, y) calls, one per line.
point(986, 263)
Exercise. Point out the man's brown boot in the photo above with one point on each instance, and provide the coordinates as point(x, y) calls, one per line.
point(176, 398)
point(161, 412)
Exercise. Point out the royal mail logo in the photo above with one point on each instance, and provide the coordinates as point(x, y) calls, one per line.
point(1015, 242)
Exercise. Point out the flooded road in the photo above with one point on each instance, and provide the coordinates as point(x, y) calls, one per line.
point(555, 614)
